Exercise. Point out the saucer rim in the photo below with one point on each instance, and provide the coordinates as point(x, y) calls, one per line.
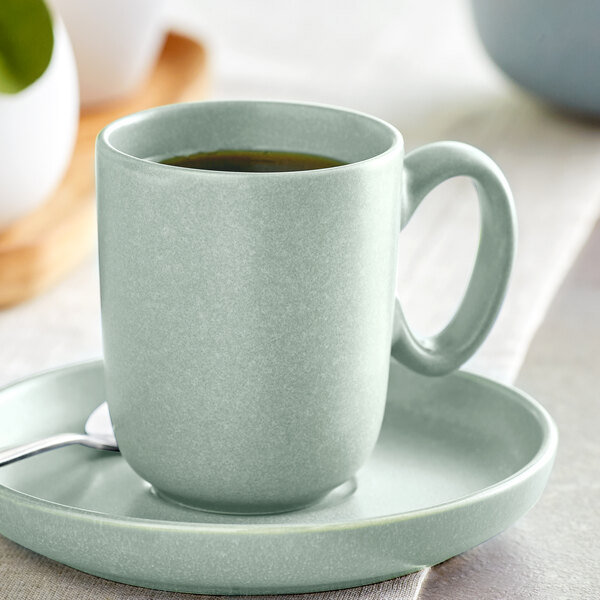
point(544, 455)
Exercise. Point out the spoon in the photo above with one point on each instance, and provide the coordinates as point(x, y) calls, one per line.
point(98, 434)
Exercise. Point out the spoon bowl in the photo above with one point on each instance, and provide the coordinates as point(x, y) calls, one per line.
point(99, 425)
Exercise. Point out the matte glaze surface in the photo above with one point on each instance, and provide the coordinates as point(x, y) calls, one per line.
point(549, 47)
point(459, 459)
point(247, 317)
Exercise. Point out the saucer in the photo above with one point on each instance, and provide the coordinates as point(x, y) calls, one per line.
point(459, 459)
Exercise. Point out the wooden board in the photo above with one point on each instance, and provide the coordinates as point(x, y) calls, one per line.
point(38, 250)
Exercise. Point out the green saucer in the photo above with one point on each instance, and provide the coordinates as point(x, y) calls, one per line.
point(459, 459)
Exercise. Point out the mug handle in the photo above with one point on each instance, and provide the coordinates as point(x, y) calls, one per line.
point(424, 169)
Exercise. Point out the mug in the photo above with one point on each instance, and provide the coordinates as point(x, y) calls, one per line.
point(248, 318)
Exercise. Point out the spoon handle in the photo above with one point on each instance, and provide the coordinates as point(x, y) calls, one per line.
point(10, 455)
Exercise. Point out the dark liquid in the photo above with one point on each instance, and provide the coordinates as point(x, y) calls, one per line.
point(253, 161)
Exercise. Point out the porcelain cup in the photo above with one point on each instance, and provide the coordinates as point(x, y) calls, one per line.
point(248, 318)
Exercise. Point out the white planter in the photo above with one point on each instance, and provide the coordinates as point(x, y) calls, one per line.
point(116, 43)
point(37, 132)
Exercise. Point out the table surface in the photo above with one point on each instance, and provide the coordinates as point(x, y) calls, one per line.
point(554, 551)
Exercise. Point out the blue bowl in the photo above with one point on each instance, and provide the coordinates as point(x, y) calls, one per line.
point(550, 47)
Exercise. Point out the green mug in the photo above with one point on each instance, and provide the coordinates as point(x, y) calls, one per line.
point(248, 318)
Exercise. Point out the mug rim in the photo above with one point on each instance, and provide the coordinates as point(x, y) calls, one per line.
point(103, 137)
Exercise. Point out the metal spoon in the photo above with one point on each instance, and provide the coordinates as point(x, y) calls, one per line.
point(98, 434)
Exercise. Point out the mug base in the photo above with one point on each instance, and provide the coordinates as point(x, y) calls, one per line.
point(335, 496)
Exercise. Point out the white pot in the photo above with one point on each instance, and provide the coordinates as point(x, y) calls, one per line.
point(37, 132)
point(116, 43)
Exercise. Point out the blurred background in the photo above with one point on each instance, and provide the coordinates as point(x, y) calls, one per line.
point(420, 65)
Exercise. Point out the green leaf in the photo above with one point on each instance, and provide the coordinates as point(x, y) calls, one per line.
point(26, 43)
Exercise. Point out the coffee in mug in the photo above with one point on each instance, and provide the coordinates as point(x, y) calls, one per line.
point(252, 161)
